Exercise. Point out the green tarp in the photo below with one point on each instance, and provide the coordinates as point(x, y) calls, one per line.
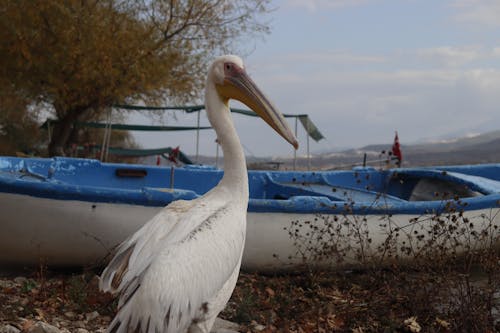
point(148, 152)
point(310, 128)
point(305, 120)
point(128, 127)
point(192, 108)
point(189, 109)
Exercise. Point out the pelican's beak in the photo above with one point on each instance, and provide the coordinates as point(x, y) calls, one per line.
point(238, 85)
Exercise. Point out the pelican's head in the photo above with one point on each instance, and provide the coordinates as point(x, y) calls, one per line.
point(231, 81)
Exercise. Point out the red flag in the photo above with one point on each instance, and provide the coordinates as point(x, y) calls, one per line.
point(174, 154)
point(158, 161)
point(396, 149)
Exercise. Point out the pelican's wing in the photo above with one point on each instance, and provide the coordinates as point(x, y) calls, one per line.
point(169, 276)
point(139, 249)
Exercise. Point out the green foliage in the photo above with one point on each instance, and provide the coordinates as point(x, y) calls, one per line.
point(82, 56)
point(439, 267)
point(19, 131)
point(28, 285)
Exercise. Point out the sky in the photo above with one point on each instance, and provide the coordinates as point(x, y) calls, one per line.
point(363, 69)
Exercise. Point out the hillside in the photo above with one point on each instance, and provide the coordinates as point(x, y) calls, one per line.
point(484, 148)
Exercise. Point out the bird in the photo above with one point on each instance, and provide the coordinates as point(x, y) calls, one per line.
point(178, 271)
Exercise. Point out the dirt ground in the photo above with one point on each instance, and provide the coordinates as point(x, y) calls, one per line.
point(342, 301)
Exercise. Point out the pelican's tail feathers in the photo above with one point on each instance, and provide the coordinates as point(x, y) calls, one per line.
point(135, 254)
point(112, 276)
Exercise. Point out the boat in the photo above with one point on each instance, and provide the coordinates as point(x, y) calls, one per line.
point(74, 212)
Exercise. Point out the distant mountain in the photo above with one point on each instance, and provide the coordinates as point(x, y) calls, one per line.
point(482, 148)
point(443, 145)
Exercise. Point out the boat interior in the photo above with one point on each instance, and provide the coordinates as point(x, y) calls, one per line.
point(358, 185)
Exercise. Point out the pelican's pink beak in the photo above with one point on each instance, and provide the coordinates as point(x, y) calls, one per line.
point(238, 85)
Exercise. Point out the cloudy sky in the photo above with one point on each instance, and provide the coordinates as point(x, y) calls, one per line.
point(364, 68)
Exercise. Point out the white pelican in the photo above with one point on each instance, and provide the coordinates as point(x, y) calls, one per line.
point(178, 271)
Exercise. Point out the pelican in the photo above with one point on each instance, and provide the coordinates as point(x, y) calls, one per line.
point(178, 271)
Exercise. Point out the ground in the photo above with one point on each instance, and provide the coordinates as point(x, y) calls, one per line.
point(381, 300)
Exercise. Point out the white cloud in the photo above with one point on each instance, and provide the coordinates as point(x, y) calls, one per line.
point(482, 12)
point(315, 5)
point(496, 52)
point(353, 107)
point(356, 99)
point(335, 57)
point(319, 61)
point(451, 56)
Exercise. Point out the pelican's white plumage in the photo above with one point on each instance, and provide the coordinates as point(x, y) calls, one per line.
point(178, 271)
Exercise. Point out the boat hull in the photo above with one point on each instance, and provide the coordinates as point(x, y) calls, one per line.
point(74, 212)
point(52, 232)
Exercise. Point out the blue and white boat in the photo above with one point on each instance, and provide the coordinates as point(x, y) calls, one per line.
point(66, 211)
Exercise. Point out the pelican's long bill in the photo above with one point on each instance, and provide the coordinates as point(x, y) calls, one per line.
point(238, 85)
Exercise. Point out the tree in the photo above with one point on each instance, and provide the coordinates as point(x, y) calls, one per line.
point(19, 131)
point(81, 57)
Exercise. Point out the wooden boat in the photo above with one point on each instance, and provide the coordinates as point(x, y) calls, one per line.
point(66, 211)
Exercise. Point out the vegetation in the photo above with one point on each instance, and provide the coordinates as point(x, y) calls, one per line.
point(438, 272)
point(77, 58)
point(18, 125)
point(451, 284)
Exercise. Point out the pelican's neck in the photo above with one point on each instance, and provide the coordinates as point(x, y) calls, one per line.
point(235, 170)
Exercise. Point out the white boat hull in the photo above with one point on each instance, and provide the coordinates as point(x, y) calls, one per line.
point(38, 230)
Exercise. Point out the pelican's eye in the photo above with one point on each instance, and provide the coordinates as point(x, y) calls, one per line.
point(231, 69)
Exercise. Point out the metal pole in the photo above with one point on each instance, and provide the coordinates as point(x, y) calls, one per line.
point(103, 146)
point(108, 141)
point(105, 136)
point(172, 171)
point(198, 139)
point(216, 154)
point(295, 150)
point(308, 155)
point(49, 129)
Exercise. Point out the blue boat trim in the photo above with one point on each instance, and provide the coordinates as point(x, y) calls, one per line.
point(362, 191)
